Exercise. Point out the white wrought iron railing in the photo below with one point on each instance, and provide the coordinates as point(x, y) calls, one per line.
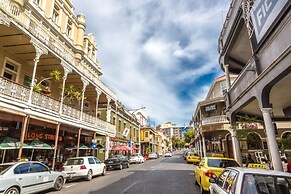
point(214, 120)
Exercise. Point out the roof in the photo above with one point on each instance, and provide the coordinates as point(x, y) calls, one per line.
point(260, 171)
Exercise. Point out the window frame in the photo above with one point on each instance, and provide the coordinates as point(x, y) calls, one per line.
point(13, 63)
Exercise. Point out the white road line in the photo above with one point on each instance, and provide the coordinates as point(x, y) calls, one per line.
point(70, 186)
point(128, 187)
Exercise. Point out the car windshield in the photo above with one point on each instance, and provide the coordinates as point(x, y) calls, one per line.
point(4, 168)
point(221, 163)
point(75, 161)
point(134, 155)
point(193, 154)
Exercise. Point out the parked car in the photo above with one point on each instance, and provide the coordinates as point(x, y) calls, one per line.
point(246, 180)
point(117, 162)
point(84, 167)
point(153, 155)
point(168, 154)
point(192, 157)
point(160, 154)
point(211, 167)
point(136, 158)
point(29, 177)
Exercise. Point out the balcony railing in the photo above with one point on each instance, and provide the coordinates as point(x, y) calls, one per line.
point(14, 92)
point(214, 120)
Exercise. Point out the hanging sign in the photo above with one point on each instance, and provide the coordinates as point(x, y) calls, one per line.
point(125, 132)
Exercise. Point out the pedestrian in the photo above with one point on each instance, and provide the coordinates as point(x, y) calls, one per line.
point(249, 160)
point(289, 166)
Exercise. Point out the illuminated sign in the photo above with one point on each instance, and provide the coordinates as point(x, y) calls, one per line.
point(42, 136)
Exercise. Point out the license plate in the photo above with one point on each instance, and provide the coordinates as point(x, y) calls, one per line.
point(110, 162)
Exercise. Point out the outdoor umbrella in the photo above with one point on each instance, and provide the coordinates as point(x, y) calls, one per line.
point(10, 143)
point(120, 148)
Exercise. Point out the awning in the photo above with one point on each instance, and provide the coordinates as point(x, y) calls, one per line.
point(10, 143)
point(82, 147)
point(37, 144)
point(135, 148)
point(120, 148)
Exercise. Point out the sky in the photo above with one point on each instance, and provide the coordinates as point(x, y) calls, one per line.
point(160, 54)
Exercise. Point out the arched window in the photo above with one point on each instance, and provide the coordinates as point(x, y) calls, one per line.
point(254, 141)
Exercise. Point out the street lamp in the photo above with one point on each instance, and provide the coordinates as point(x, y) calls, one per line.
point(133, 111)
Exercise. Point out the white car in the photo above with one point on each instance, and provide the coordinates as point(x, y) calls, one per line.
point(168, 154)
point(29, 177)
point(84, 167)
point(136, 158)
point(153, 155)
point(247, 181)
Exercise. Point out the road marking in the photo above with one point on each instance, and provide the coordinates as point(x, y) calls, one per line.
point(70, 186)
point(127, 188)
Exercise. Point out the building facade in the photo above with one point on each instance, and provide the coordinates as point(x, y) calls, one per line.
point(255, 44)
point(50, 87)
point(212, 129)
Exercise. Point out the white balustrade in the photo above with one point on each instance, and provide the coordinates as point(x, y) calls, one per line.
point(13, 90)
point(214, 120)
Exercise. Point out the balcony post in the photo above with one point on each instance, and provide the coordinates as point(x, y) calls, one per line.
point(200, 147)
point(78, 143)
point(108, 109)
point(98, 92)
point(226, 70)
point(271, 137)
point(23, 132)
point(203, 144)
point(67, 70)
point(236, 146)
point(56, 145)
point(107, 147)
point(85, 84)
point(39, 51)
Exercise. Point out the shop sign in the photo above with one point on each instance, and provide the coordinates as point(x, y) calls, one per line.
point(263, 15)
point(125, 132)
point(32, 135)
point(210, 108)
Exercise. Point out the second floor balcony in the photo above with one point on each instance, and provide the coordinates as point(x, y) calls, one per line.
point(15, 96)
point(221, 119)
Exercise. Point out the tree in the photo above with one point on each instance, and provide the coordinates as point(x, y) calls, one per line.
point(189, 135)
point(55, 74)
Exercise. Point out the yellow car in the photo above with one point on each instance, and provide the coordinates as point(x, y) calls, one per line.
point(192, 157)
point(211, 167)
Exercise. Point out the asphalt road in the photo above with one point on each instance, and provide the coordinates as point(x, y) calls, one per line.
point(171, 175)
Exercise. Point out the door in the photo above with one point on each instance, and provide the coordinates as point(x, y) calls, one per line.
point(44, 178)
point(93, 166)
point(99, 166)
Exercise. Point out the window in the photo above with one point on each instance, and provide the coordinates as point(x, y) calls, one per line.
point(124, 125)
point(11, 70)
point(91, 161)
point(69, 28)
point(221, 163)
point(56, 14)
point(97, 161)
point(36, 2)
point(229, 184)
point(223, 88)
point(222, 178)
point(146, 134)
point(22, 168)
point(36, 167)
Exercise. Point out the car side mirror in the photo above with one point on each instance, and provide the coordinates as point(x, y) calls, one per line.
point(212, 180)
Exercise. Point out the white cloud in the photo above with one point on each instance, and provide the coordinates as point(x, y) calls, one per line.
point(143, 46)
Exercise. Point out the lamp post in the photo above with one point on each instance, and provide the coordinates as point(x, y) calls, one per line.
point(133, 111)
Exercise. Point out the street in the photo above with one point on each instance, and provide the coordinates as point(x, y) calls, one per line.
point(169, 175)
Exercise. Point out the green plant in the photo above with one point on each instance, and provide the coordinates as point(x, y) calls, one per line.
point(148, 150)
point(55, 74)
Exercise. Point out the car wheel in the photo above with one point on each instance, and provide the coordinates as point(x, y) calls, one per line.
point(104, 171)
point(89, 176)
point(59, 184)
point(120, 166)
point(201, 188)
point(12, 190)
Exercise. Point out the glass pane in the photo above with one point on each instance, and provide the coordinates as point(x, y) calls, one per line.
point(36, 167)
point(4, 168)
point(222, 178)
point(91, 161)
point(23, 168)
point(12, 67)
point(77, 161)
point(221, 163)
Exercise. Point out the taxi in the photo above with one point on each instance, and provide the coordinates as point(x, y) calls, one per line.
point(192, 157)
point(211, 167)
point(247, 180)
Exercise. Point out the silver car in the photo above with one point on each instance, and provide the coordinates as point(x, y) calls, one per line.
point(238, 180)
point(29, 177)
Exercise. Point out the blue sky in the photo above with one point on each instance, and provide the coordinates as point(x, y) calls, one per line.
point(161, 54)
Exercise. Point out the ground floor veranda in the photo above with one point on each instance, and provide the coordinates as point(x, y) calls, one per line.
point(40, 140)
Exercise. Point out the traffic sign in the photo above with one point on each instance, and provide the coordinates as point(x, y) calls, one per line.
point(94, 146)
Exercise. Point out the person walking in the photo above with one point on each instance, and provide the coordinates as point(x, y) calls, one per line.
point(289, 166)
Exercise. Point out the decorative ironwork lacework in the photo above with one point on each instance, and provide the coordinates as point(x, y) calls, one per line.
point(246, 7)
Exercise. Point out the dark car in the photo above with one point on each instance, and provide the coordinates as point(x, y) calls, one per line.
point(117, 162)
